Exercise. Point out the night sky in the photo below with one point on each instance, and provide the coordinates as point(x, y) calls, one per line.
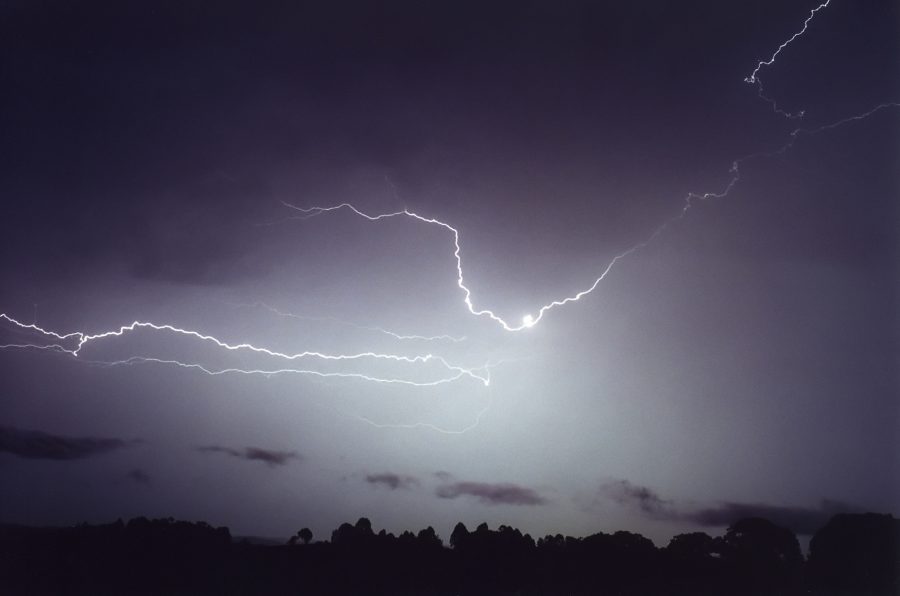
point(153, 158)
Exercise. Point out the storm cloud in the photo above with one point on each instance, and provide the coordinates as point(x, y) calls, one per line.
point(735, 360)
point(392, 481)
point(646, 499)
point(492, 494)
point(270, 457)
point(33, 444)
point(801, 520)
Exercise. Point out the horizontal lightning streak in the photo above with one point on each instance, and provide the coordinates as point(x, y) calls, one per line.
point(84, 339)
point(826, 127)
point(244, 346)
point(278, 371)
point(53, 347)
point(34, 327)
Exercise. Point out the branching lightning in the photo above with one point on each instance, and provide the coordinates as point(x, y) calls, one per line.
point(74, 343)
point(529, 320)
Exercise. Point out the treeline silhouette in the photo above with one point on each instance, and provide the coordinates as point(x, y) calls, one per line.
point(855, 555)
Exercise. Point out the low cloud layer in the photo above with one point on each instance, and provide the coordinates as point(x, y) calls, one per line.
point(33, 444)
point(492, 494)
point(392, 481)
point(801, 520)
point(270, 457)
point(624, 492)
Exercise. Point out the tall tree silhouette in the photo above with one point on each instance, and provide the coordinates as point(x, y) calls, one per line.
point(856, 554)
point(762, 557)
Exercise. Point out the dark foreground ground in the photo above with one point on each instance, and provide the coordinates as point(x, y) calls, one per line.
point(851, 555)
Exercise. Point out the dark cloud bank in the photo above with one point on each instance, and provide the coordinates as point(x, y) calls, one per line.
point(501, 493)
point(802, 520)
point(625, 493)
point(492, 494)
point(392, 481)
point(270, 457)
point(33, 444)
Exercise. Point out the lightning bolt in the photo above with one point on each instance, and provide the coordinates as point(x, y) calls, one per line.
point(753, 77)
point(529, 321)
point(848, 120)
point(299, 371)
point(82, 339)
point(73, 343)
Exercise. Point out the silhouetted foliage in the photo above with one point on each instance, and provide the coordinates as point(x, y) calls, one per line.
point(693, 564)
point(852, 554)
point(459, 535)
point(762, 558)
point(856, 554)
point(304, 535)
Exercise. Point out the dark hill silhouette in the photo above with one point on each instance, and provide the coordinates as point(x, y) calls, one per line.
point(851, 554)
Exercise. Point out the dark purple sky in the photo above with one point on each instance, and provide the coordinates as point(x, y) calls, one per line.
point(745, 360)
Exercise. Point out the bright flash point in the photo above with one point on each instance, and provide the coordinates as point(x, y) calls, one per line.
point(528, 321)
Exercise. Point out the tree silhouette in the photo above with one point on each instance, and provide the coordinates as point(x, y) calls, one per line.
point(856, 554)
point(459, 535)
point(428, 538)
point(693, 564)
point(764, 558)
point(305, 534)
point(852, 555)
